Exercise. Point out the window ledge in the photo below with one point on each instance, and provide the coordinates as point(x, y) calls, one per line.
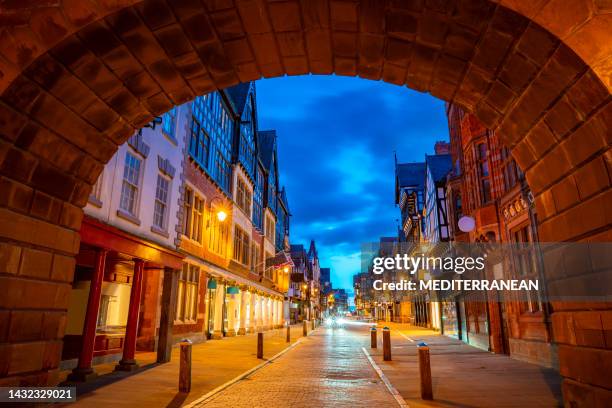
point(95, 201)
point(160, 231)
point(128, 217)
point(192, 241)
point(183, 322)
point(170, 138)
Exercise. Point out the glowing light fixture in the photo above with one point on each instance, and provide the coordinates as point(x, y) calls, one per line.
point(221, 215)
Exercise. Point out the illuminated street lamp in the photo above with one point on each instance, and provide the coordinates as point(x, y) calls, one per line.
point(221, 213)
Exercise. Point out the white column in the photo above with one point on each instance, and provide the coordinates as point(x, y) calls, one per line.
point(264, 312)
point(231, 316)
point(218, 319)
point(243, 311)
point(260, 319)
point(252, 315)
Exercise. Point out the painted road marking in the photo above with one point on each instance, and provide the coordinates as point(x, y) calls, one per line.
point(404, 336)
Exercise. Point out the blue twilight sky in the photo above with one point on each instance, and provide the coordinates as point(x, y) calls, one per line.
point(336, 140)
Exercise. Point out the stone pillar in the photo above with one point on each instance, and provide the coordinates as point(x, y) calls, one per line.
point(231, 315)
point(128, 362)
point(168, 311)
point(252, 321)
point(243, 311)
point(266, 312)
point(260, 318)
point(84, 370)
point(218, 319)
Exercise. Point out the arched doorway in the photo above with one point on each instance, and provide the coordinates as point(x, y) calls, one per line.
point(76, 81)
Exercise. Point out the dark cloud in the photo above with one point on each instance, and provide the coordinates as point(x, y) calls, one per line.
point(337, 137)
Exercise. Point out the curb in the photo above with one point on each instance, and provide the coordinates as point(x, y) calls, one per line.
point(398, 397)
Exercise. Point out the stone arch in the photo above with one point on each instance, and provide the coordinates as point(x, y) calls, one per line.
point(76, 80)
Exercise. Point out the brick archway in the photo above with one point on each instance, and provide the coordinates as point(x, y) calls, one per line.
point(76, 80)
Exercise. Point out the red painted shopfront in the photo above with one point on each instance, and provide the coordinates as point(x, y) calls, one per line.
point(122, 300)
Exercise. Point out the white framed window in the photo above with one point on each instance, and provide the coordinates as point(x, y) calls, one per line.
point(193, 209)
point(162, 198)
point(258, 262)
point(244, 196)
point(267, 271)
point(130, 188)
point(270, 229)
point(241, 246)
point(96, 191)
point(187, 293)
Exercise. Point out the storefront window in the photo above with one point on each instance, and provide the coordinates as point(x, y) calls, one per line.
point(187, 296)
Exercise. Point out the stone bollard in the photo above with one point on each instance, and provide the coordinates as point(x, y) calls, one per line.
point(288, 332)
point(386, 344)
point(260, 340)
point(425, 372)
point(373, 342)
point(305, 328)
point(185, 366)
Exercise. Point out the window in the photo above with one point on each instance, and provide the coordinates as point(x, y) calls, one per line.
point(280, 228)
point(160, 211)
point(268, 271)
point(103, 314)
point(258, 199)
point(96, 191)
point(483, 173)
point(187, 211)
point(211, 138)
point(169, 122)
point(246, 153)
point(269, 230)
point(187, 293)
point(198, 218)
point(272, 187)
point(243, 196)
point(217, 235)
point(131, 183)
point(258, 263)
point(241, 246)
point(525, 265)
point(193, 208)
point(510, 169)
point(199, 143)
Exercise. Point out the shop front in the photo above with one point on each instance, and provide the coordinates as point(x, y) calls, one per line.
point(121, 301)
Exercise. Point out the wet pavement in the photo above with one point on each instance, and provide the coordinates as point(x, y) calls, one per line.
point(328, 368)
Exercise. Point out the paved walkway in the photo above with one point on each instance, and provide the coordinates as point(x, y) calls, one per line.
point(214, 363)
point(327, 369)
point(464, 376)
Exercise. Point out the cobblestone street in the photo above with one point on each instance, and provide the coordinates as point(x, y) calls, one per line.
point(327, 368)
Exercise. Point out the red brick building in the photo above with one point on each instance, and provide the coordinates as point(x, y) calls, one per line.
point(487, 185)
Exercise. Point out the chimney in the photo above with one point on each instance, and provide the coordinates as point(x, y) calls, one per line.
point(442, 147)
